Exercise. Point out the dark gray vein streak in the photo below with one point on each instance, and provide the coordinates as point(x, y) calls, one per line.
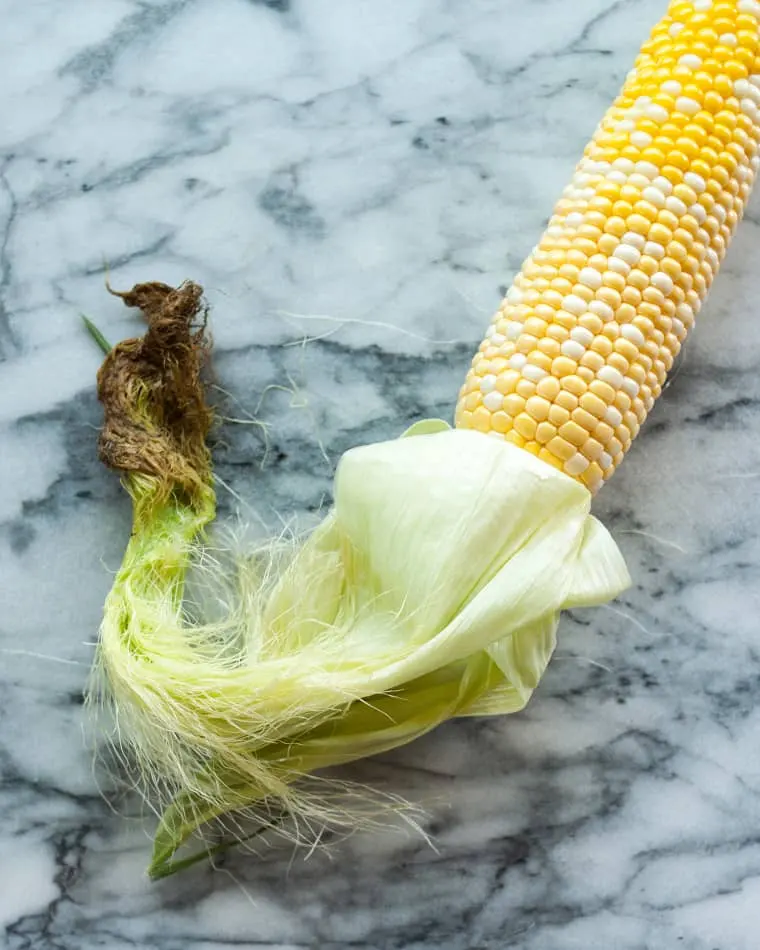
point(94, 65)
point(8, 340)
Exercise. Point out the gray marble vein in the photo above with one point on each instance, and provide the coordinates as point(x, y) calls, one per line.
point(367, 175)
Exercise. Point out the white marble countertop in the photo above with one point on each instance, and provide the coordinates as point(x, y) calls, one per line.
point(370, 173)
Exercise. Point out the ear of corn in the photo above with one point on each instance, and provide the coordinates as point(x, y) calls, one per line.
point(583, 342)
point(435, 586)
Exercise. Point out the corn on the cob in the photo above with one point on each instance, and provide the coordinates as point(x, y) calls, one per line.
point(581, 345)
point(406, 607)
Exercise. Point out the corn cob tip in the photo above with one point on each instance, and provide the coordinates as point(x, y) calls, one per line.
point(582, 344)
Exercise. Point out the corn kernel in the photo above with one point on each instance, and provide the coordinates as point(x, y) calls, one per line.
point(545, 432)
point(481, 419)
point(513, 404)
point(525, 425)
point(566, 400)
point(561, 449)
point(573, 433)
point(563, 366)
point(538, 408)
point(574, 384)
point(558, 415)
point(501, 422)
point(583, 419)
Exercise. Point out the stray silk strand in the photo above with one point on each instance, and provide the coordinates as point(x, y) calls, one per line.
point(400, 611)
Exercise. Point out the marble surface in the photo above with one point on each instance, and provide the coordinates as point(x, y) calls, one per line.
point(368, 174)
